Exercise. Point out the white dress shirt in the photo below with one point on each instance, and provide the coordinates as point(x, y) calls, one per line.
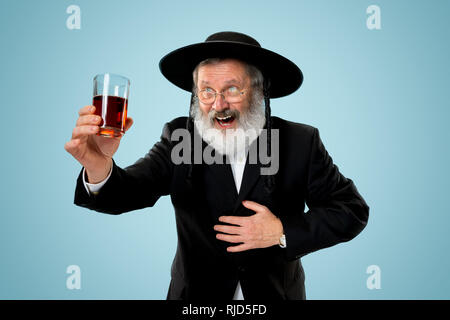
point(237, 167)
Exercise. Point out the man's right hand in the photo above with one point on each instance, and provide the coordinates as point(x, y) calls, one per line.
point(93, 152)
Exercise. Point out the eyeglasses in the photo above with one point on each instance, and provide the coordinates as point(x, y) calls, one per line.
point(230, 95)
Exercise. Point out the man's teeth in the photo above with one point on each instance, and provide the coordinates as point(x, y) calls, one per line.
point(222, 119)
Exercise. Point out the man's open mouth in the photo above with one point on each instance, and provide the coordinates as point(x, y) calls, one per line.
point(225, 122)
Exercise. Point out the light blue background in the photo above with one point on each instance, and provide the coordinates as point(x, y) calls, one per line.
point(378, 97)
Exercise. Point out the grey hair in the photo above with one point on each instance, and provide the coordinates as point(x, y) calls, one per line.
point(253, 72)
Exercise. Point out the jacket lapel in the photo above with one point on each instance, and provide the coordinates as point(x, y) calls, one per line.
point(250, 177)
point(220, 188)
point(224, 178)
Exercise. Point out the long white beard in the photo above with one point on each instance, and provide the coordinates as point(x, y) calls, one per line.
point(232, 142)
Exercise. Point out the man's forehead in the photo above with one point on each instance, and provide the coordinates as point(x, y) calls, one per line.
point(229, 81)
point(227, 72)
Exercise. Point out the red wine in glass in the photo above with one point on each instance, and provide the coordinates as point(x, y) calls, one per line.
point(111, 103)
point(113, 111)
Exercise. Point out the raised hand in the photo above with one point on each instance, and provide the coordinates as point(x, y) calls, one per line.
point(93, 152)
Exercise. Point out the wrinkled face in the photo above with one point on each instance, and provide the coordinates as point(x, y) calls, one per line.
point(226, 75)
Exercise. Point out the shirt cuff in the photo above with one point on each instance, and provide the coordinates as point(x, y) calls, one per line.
point(94, 188)
point(283, 243)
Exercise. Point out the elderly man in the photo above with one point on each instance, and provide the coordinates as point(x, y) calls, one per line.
point(241, 230)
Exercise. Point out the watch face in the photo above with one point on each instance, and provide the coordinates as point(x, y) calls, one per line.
point(283, 241)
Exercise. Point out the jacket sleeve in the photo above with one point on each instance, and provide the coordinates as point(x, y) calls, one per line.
point(337, 212)
point(135, 187)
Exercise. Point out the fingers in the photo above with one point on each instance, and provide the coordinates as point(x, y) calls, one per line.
point(253, 206)
point(91, 119)
point(233, 233)
point(240, 221)
point(239, 248)
point(87, 123)
point(86, 110)
point(233, 236)
point(84, 131)
point(228, 229)
point(229, 238)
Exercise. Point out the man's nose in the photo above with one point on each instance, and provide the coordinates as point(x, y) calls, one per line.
point(220, 103)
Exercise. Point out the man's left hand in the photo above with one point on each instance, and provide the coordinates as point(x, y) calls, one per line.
point(261, 230)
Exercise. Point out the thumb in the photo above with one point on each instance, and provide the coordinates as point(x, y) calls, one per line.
point(128, 123)
point(253, 206)
point(73, 147)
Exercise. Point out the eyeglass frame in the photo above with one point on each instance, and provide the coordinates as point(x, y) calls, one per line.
point(241, 93)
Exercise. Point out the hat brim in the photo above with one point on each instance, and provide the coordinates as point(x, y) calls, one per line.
point(285, 77)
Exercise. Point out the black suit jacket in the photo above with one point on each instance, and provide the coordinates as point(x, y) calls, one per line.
point(202, 268)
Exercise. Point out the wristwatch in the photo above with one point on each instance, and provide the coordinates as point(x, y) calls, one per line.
point(282, 241)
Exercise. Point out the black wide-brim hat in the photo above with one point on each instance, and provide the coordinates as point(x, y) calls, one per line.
point(285, 77)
